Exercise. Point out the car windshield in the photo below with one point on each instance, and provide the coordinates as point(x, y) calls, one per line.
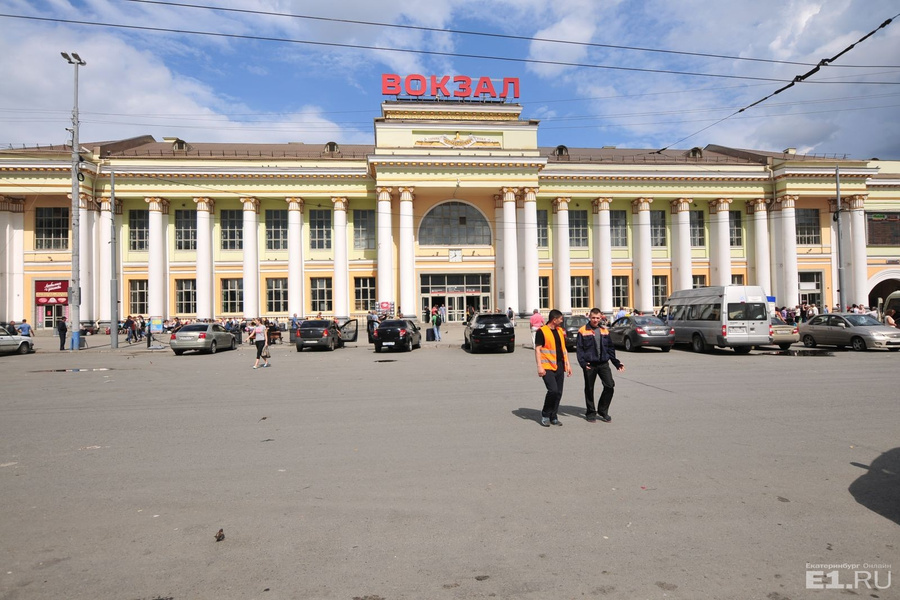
point(576, 322)
point(862, 320)
point(195, 327)
point(309, 324)
point(498, 319)
point(648, 321)
point(3, 331)
point(396, 323)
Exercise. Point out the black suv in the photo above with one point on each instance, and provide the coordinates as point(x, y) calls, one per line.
point(489, 330)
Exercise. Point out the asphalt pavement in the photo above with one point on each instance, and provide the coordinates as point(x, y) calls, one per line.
point(354, 475)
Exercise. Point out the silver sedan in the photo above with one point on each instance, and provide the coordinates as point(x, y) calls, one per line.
point(204, 337)
point(845, 329)
point(15, 344)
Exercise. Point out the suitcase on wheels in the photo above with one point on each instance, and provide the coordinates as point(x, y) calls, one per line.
point(429, 335)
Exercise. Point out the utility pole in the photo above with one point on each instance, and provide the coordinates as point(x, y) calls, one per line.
point(75, 290)
point(840, 259)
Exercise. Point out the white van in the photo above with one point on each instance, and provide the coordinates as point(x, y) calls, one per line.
point(730, 316)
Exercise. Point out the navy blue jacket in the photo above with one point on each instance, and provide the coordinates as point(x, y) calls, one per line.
point(586, 348)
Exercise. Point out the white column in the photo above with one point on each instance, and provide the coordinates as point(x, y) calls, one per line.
point(791, 286)
point(86, 264)
point(407, 301)
point(858, 257)
point(776, 246)
point(498, 250)
point(5, 266)
point(520, 259)
point(384, 282)
point(510, 251)
point(721, 247)
point(562, 268)
point(104, 308)
point(643, 259)
point(251, 257)
point(158, 276)
point(761, 244)
point(530, 248)
point(12, 260)
point(602, 255)
point(682, 271)
point(296, 296)
point(341, 262)
point(205, 289)
point(846, 255)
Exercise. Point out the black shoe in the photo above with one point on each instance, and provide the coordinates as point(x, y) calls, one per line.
point(591, 417)
point(605, 418)
point(556, 422)
point(545, 422)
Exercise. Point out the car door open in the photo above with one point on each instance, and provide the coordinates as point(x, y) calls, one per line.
point(350, 330)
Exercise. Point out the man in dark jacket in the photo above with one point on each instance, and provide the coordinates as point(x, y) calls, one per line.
point(595, 351)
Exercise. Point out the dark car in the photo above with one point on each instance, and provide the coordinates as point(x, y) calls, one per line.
point(571, 325)
point(489, 330)
point(639, 331)
point(398, 334)
point(325, 333)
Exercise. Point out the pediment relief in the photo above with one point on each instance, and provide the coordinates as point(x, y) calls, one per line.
point(457, 141)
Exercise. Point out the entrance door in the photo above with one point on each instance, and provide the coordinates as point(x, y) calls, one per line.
point(50, 314)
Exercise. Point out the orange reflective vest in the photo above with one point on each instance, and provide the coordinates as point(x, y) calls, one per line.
point(548, 350)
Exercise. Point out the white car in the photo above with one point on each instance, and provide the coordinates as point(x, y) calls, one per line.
point(15, 344)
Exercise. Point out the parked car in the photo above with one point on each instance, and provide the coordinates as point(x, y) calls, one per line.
point(783, 334)
point(846, 329)
point(638, 331)
point(15, 344)
point(489, 330)
point(402, 334)
point(571, 325)
point(325, 333)
point(203, 337)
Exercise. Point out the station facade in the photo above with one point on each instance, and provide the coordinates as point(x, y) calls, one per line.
point(454, 204)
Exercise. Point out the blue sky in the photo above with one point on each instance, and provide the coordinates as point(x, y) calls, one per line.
point(225, 89)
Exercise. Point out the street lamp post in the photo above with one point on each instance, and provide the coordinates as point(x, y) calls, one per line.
point(75, 294)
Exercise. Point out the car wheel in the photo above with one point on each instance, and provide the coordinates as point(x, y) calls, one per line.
point(23, 348)
point(418, 344)
point(859, 344)
point(743, 349)
point(233, 344)
point(409, 345)
point(666, 348)
point(212, 348)
point(377, 347)
point(299, 348)
point(629, 345)
point(893, 349)
point(511, 348)
point(697, 343)
point(809, 341)
point(784, 346)
point(178, 352)
point(473, 348)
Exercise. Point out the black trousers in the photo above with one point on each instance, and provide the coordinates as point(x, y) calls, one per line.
point(603, 371)
point(62, 341)
point(553, 380)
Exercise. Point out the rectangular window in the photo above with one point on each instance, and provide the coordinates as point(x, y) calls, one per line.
point(233, 295)
point(364, 230)
point(660, 289)
point(364, 293)
point(186, 230)
point(620, 290)
point(883, 228)
point(231, 227)
point(542, 229)
point(138, 230)
point(618, 228)
point(809, 231)
point(735, 231)
point(578, 229)
point(698, 230)
point(137, 296)
point(320, 230)
point(544, 291)
point(51, 228)
point(581, 292)
point(277, 294)
point(276, 230)
point(320, 293)
point(810, 287)
point(737, 279)
point(658, 228)
point(698, 281)
point(185, 296)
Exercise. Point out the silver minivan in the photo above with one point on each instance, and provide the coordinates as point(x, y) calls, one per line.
point(730, 316)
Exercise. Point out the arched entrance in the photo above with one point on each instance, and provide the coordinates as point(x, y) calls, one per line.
point(883, 284)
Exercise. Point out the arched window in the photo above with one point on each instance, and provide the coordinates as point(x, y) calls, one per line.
point(454, 224)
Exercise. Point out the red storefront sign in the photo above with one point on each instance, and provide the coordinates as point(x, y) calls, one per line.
point(460, 86)
point(51, 292)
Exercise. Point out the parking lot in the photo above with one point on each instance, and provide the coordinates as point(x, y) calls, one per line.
point(356, 475)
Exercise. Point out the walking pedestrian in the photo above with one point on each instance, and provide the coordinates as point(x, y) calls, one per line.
point(61, 329)
point(260, 338)
point(552, 365)
point(436, 325)
point(536, 322)
point(595, 351)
